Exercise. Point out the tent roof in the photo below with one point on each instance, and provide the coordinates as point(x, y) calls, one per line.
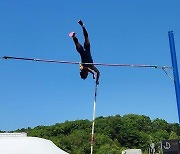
point(28, 145)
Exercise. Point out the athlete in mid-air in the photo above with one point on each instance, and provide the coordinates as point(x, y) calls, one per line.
point(85, 54)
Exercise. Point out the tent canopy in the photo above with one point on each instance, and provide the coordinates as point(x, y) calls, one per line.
point(28, 145)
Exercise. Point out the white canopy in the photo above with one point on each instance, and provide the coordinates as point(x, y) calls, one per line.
point(28, 145)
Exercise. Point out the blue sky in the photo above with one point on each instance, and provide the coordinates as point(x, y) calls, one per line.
point(132, 32)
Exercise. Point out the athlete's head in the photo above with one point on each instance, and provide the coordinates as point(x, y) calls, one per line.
point(84, 73)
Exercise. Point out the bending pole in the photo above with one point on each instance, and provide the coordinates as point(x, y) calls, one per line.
point(175, 70)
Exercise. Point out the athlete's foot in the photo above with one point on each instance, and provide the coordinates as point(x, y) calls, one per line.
point(81, 23)
point(72, 34)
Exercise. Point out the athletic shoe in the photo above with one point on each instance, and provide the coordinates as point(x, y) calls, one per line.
point(72, 34)
point(81, 23)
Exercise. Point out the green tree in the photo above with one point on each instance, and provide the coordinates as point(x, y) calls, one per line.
point(112, 134)
point(173, 135)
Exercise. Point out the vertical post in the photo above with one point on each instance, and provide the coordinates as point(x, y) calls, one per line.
point(175, 70)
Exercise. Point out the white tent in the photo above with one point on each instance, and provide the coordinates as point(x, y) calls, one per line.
point(27, 145)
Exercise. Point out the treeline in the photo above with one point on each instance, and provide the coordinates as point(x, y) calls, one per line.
point(112, 134)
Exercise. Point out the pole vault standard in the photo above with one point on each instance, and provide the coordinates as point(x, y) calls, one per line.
point(175, 70)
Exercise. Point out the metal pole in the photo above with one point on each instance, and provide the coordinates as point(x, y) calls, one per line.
point(175, 70)
point(93, 122)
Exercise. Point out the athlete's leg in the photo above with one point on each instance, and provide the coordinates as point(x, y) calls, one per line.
point(77, 44)
point(85, 33)
point(79, 47)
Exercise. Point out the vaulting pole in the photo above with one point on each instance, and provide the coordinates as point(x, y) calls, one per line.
point(175, 70)
point(93, 121)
